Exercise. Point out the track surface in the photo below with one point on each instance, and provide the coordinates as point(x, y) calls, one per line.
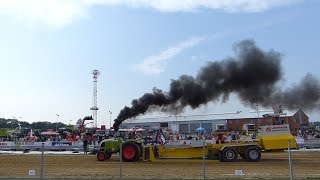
point(306, 165)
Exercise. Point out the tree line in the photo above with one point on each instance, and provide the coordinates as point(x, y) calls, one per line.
point(41, 126)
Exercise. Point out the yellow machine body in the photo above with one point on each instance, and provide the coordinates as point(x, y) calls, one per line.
point(181, 152)
point(270, 138)
point(278, 142)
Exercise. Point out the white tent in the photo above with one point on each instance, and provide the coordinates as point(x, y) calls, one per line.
point(30, 134)
point(49, 132)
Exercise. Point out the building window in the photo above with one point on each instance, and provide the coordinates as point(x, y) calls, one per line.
point(193, 127)
point(183, 128)
point(146, 127)
point(164, 125)
point(207, 127)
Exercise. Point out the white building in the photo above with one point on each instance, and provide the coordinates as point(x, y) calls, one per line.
point(182, 124)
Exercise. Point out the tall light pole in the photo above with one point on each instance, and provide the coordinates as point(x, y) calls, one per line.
point(94, 107)
point(110, 118)
point(57, 122)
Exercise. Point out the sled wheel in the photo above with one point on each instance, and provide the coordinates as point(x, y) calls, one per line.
point(253, 154)
point(229, 154)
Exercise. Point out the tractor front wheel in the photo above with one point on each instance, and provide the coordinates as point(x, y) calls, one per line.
point(101, 156)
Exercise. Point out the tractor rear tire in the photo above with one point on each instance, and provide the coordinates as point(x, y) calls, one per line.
point(130, 151)
point(229, 154)
point(253, 154)
point(101, 156)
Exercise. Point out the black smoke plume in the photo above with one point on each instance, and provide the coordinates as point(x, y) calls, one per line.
point(253, 75)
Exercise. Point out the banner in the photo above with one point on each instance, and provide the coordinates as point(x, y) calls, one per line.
point(60, 143)
point(274, 129)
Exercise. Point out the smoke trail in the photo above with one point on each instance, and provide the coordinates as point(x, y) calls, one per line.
point(304, 95)
point(253, 75)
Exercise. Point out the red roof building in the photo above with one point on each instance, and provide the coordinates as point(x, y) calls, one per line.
point(298, 121)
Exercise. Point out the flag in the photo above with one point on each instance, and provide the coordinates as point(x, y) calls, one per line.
point(30, 133)
point(160, 137)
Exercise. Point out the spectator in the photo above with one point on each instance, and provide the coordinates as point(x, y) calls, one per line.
point(233, 135)
point(85, 146)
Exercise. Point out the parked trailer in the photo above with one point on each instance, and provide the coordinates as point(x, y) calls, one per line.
point(269, 138)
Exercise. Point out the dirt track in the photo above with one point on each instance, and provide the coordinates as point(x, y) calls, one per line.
point(272, 165)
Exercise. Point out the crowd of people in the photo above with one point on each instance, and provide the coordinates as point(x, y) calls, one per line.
point(42, 138)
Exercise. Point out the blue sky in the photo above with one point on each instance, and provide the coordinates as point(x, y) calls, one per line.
point(49, 48)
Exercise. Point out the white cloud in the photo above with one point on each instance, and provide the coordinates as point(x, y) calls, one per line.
point(193, 5)
point(156, 64)
point(59, 13)
point(53, 13)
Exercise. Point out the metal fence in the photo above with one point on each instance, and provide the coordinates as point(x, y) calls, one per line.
point(204, 169)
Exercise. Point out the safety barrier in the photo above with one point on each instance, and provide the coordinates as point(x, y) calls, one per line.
point(52, 145)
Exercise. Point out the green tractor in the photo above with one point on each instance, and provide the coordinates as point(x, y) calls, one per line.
point(131, 149)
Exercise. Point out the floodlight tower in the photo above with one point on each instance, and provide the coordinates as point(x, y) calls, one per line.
point(94, 107)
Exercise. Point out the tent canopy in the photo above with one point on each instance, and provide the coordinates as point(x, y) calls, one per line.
point(49, 132)
point(200, 129)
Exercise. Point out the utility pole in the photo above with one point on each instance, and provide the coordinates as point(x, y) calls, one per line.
point(258, 116)
point(57, 122)
point(110, 118)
